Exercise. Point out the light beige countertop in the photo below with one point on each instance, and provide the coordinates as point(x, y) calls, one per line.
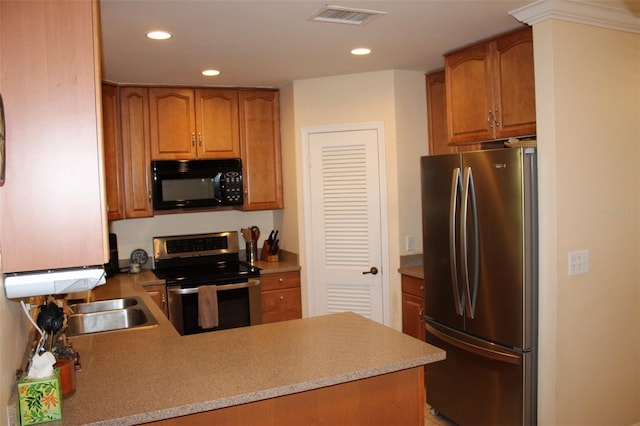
point(412, 271)
point(136, 376)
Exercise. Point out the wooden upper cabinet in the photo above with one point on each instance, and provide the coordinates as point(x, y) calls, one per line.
point(190, 124)
point(437, 113)
point(514, 82)
point(260, 149)
point(218, 133)
point(490, 89)
point(437, 117)
point(53, 213)
point(112, 152)
point(136, 151)
point(173, 123)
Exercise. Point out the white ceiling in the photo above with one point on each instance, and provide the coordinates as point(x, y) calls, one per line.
point(270, 43)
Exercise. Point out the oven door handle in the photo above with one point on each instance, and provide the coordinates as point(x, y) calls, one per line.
point(194, 290)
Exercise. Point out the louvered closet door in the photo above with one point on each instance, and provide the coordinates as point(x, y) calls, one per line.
point(346, 222)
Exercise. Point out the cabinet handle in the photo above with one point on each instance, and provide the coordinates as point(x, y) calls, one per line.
point(281, 297)
point(280, 280)
point(495, 116)
point(200, 138)
point(164, 300)
point(421, 288)
point(149, 196)
point(193, 138)
point(420, 314)
point(490, 119)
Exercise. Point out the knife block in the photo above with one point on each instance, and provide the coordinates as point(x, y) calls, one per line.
point(265, 253)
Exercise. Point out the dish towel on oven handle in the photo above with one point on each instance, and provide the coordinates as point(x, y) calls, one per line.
point(207, 306)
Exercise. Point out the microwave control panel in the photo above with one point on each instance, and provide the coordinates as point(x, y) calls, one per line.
point(231, 187)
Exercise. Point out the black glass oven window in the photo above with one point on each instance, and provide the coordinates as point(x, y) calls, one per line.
point(233, 311)
point(188, 189)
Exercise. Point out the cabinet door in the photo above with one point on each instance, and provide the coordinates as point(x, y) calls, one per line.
point(159, 295)
point(112, 152)
point(281, 305)
point(173, 123)
point(136, 150)
point(53, 213)
point(469, 89)
point(412, 311)
point(218, 134)
point(437, 117)
point(515, 98)
point(437, 114)
point(260, 148)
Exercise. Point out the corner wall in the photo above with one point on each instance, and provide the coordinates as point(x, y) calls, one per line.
point(588, 106)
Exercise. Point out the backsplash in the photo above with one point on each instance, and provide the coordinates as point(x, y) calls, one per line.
point(138, 233)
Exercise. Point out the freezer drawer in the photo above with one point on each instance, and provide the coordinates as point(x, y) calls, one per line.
point(479, 384)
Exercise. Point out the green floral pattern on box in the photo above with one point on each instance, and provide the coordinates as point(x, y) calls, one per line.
point(39, 400)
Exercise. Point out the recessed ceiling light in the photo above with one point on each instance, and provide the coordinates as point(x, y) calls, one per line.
point(361, 51)
point(159, 35)
point(210, 73)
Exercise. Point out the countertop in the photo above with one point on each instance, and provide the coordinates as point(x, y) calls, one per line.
point(412, 271)
point(136, 376)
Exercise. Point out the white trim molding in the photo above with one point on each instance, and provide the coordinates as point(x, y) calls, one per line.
point(608, 14)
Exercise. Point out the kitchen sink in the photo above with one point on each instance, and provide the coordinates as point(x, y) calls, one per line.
point(109, 315)
point(104, 305)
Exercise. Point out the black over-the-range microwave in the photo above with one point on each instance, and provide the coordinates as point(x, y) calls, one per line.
point(184, 184)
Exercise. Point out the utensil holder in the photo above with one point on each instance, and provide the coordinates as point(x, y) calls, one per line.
point(252, 251)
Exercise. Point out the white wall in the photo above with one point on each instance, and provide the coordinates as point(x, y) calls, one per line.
point(14, 333)
point(588, 107)
point(411, 135)
point(396, 98)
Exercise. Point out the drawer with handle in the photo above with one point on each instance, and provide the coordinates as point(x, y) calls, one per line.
point(280, 280)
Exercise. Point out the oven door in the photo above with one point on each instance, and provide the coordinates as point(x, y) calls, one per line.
point(239, 305)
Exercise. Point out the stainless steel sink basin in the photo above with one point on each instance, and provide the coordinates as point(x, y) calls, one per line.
point(104, 305)
point(109, 315)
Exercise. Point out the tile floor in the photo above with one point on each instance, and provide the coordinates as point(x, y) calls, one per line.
point(431, 420)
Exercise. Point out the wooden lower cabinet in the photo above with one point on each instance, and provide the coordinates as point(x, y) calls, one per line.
point(413, 306)
point(158, 293)
point(281, 296)
point(390, 399)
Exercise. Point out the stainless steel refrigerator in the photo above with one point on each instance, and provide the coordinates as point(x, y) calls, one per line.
point(479, 220)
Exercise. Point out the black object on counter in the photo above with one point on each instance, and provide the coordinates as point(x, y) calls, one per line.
point(113, 267)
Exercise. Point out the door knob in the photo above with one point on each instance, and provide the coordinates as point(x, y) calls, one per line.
point(372, 271)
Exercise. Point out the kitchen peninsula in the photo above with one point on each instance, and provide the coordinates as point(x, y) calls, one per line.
point(333, 369)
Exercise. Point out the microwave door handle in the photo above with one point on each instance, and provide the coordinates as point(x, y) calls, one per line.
point(217, 187)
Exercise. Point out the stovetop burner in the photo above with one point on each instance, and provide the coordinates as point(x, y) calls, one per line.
point(201, 275)
point(190, 260)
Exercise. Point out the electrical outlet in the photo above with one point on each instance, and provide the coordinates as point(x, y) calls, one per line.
point(410, 243)
point(578, 262)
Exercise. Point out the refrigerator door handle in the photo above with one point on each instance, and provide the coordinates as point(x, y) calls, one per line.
point(492, 354)
point(453, 256)
point(470, 274)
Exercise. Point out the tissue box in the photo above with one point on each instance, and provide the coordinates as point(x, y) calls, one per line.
point(39, 400)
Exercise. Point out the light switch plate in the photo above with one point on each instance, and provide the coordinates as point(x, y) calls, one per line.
point(410, 243)
point(578, 262)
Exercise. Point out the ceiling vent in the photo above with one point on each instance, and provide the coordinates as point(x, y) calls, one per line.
point(346, 15)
